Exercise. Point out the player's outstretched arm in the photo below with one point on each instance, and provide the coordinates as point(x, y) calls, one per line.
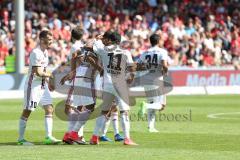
point(93, 61)
point(131, 69)
point(51, 84)
point(89, 45)
point(76, 60)
point(69, 77)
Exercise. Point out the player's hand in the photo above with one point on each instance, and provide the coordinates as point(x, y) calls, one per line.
point(63, 80)
point(90, 59)
point(51, 87)
point(99, 36)
point(81, 58)
point(69, 77)
point(51, 76)
point(89, 46)
point(130, 79)
point(48, 74)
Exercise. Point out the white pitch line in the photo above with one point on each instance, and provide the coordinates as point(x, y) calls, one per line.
point(215, 115)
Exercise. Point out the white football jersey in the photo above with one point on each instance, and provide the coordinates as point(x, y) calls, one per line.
point(114, 60)
point(35, 90)
point(84, 69)
point(38, 58)
point(153, 57)
point(75, 47)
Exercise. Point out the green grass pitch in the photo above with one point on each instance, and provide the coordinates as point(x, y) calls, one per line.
point(202, 138)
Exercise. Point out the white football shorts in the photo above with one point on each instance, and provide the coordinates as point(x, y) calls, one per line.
point(81, 93)
point(34, 94)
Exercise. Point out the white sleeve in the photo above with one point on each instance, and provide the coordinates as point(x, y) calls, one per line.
point(98, 47)
point(164, 55)
point(74, 48)
point(170, 61)
point(129, 57)
point(35, 58)
point(71, 53)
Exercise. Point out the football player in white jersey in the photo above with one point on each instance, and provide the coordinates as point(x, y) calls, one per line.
point(115, 63)
point(81, 93)
point(156, 61)
point(70, 107)
point(36, 89)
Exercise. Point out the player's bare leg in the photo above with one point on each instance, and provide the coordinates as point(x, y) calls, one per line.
point(49, 125)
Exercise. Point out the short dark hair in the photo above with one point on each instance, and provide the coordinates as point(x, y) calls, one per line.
point(116, 37)
point(107, 34)
point(77, 33)
point(44, 34)
point(113, 36)
point(154, 39)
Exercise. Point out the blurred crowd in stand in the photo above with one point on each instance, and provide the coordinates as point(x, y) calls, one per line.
point(195, 32)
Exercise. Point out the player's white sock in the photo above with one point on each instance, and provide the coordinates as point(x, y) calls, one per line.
point(72, 119)
point(80, 132)
point(105, 127)
point(48, 125)
point(125, 124)
point(78, 125)
point(71, 124)
point(82, 119)
point(114, 117)
point(22, 127)
point(151, 118)
point(99, 124)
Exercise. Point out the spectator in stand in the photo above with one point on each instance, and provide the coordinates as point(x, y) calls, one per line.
point(3, 52)
point(196, 33)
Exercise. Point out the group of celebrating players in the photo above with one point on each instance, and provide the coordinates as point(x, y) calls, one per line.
point(104, 56)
